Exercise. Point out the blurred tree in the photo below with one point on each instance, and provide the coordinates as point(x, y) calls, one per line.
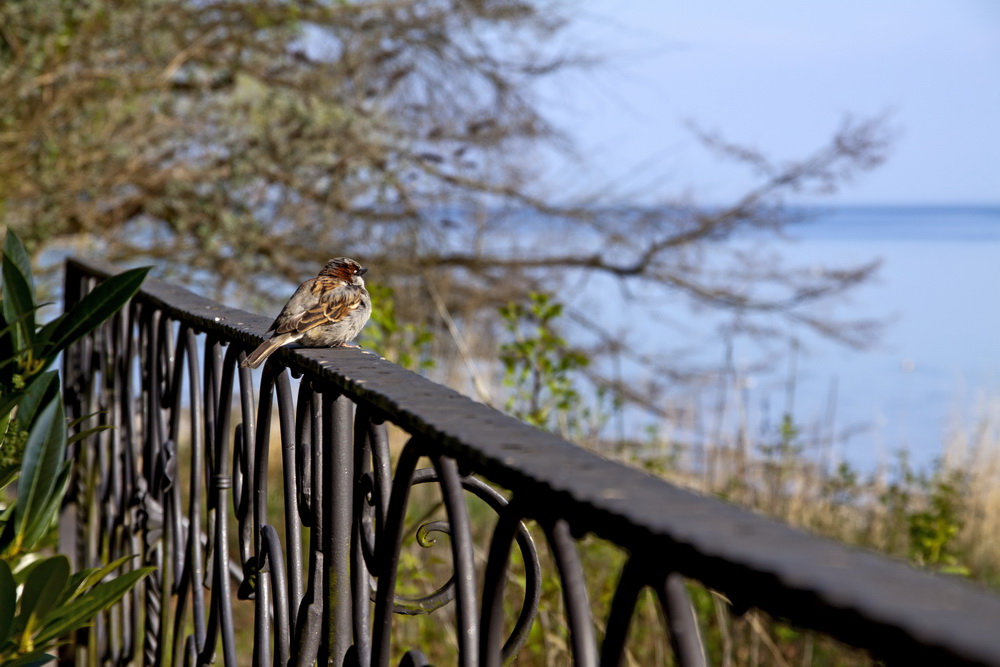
point(239, 144)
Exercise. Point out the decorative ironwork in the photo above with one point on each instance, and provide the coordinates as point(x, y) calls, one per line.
point(324, 587)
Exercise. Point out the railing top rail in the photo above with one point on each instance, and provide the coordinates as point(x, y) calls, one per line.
point(898, 612)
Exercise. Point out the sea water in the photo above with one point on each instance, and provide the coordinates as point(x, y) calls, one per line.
point(938, 357)
point(907, 389)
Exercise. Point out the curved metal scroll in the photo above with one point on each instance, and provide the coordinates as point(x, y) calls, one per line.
point(185, 481)
point(169, 391)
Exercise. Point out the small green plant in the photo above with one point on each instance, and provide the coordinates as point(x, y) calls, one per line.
point(780, 458)
point(406, 344)
point(927, 511)
point(40, 599)
point(540, 367)
point(842, 486)
point(934, 527)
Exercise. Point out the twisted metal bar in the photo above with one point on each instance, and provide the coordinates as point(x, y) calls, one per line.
point(183, 481)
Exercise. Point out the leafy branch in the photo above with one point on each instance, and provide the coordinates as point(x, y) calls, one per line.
point(40, 600)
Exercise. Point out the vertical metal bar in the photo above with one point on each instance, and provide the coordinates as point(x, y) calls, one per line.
point(382, 471)
point(532, 594)
point(304, 419)
point(293, 526)
point(131, 450)
point(462, 560)
point(220, 484)
point(171, 400)
point(261, 453)
point(243, 466)
point(73, 380)
point(494, 578)
point(630, 584)
point(309, 625)
point(212, 367)
point(373, 502)
point(338, 502)
point(119, 530)
point(262, 615)
point(360, 576)
point(224, 481)
point(70, 515)
point(387, 554)
point(157, 585)
point(574, 588)
point(262, 585)
point(195, 563)
point(685, 635)
point(273, 563)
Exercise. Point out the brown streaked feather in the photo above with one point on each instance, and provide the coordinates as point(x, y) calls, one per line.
point(348, 299)
point(337, 299)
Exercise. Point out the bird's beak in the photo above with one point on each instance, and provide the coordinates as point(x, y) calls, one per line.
point(362, 271)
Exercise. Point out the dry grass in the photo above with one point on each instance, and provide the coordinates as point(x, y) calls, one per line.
point(946, 518)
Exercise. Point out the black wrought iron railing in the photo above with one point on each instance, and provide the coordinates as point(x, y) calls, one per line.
point(309, 566)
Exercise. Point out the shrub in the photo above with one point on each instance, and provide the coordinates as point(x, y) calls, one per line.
point(41, 600)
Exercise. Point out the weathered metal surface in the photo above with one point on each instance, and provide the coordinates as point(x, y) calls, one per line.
point(312, 597)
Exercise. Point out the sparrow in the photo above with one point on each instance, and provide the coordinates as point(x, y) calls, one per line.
point(326, 311)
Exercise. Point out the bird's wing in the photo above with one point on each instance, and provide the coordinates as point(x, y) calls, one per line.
point(335, 301)
point(287, 320)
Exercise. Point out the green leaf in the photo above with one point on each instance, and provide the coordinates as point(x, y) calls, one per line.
point(74, 586)
point(93, 576)
point(21, 574)
point(8, 601)
point(96, 307)
point(8, 329)
point(18, 292)
point(15, 253)
point(43, 587)
point(18, 308)
point(48, 329)
point(76, 437)
point(41, 391)
point(7, 359)
point(47, 513)
point(7, 527)
point(9, 401)
point(11, 449)
point(80, 611)
point(4, 424)
point(34, 659)
point(83, 580)
point(43, 459)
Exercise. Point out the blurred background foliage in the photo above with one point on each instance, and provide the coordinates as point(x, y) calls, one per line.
point(237, 145)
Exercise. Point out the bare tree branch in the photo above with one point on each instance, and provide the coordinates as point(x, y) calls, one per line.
point(239, 144)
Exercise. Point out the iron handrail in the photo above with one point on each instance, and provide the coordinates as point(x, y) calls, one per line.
point(899, 614)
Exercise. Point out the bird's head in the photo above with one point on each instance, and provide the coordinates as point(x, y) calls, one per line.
point(346, 269)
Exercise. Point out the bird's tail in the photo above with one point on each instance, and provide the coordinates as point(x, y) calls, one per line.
point(265, 350)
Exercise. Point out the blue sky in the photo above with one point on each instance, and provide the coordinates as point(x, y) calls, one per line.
point(780, 75)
